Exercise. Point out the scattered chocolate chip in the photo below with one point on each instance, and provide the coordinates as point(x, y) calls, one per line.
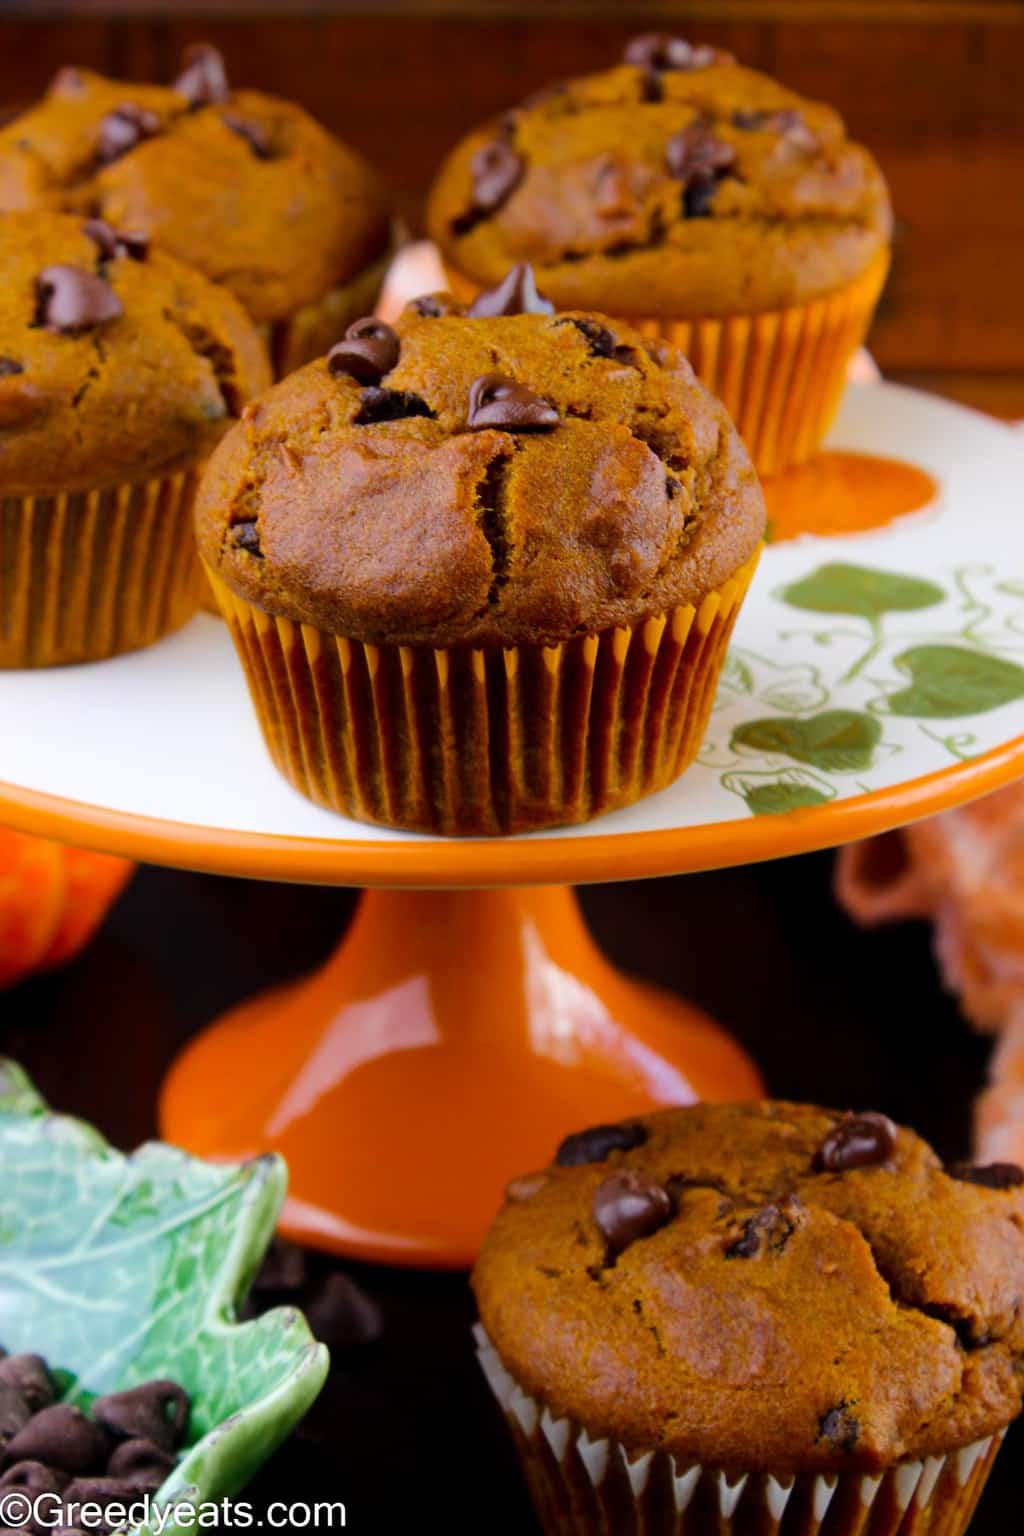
point(204, 80)
point(157, 1411)
point(124, 128)
point(661, 51)
point(524, 1188)
point(389, 405)
point(516, 294)
point(858, 1141)
point(246, 536)
point(496, 171)
point(597, 1144)
point(112, 244)
point(141, 1463)
point(767, 1231)
point(343, 1316)
point(434, 306)
point(499, 402)
point(285, 1268)
point(60, 1436)
point(34, 1478)
point(9, 365)
point(600, 340)
point(368, 350)
point(839, 1427)
point(651, 86)
point(29, 1375)
point(628, 1206)
point(14, 1414)
point(694, 153)
point(788, 122)
point(254, 134)
point(69, 299)
point(989, 1176)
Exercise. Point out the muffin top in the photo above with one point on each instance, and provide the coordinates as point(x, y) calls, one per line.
point(677, 184)
point(763, 1287)
point(248, 188)
point(488, 479)
point(116, 362)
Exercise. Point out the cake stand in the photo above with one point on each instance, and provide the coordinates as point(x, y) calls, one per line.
point(467, 1022)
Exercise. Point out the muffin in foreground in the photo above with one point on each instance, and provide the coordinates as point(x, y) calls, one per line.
point(481, 569)
point(701, 201)
point(246, 187)
point(756, 1318)
point(119, 370)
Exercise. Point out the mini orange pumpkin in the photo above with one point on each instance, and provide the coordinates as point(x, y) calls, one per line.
point(52, 900)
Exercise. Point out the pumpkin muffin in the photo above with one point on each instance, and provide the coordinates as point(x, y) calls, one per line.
point(756, 1318)
point(248, 188)
point(703, 202)
point(119, 370)
point(481, 568)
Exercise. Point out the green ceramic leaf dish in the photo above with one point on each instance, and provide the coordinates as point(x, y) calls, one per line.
point(119, 1269)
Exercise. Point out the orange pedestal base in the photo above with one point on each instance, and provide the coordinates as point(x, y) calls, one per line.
point(450, 1043)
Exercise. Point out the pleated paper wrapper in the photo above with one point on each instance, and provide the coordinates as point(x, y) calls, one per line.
point(780, 374)
point(594, 1487)
point(485, 741)
point(89, 574)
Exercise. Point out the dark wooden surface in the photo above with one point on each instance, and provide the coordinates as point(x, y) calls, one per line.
point(405, 1433)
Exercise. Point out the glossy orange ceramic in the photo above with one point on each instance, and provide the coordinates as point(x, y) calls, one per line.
point(449, 1044)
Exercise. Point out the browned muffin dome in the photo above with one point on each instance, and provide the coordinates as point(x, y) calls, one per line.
point(248, 188)
point(679, 184)
point(512, 479)
point(763, 1287)
point(116, 363)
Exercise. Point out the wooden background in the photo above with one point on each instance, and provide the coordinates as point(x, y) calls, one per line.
point(934, 87)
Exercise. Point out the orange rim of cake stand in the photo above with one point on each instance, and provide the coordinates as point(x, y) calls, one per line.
point(456, 863)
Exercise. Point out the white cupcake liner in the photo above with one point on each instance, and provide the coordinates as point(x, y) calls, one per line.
point(586, 1487)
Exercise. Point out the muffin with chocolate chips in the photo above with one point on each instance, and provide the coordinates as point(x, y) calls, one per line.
point(244, 186)
point(481, 568)
point(119, 370)
point(756, 1318)
point(701, 201)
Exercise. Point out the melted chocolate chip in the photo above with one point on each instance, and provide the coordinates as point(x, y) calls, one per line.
point(204, 80)
point(839, 1427)
point(367, 352)
point(389, 405)
point(112, 244)
point(496, 171)
point(598, 1143)
point(516, 294)
point(9, 365)
point(247, 536)
point(60, 1436)
point(157, 1411)
point(124, 128)
point(628, 1206)
point(661, 51)
point(767, 1231)
point(989, 1176)
point(143, 1463)
point(69, 300)
point(433, 306)
point(254, 134)
point(600, 341)
point(29, 1375)
point(859, 1141)
point(498, 402)
point(695, 154)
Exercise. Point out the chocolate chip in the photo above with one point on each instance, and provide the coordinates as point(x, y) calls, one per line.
point(496, 171)
point(285, 1268)
point(112, 244)
point(498, 402)
point(343, 1316)
point(14, 1413)
point(9, 365)
point(768, 1230)
point(597, 1144)
point(69, 299)
point(651, 86)
point(858, 1141)
point(389, 405)
point(102, 1491)
point(628, 1206)
point(788, 122)
point(662, 51)
point(204, 80)
point(60, 1436)
point(990, 1175)
point(695, 153)
point(433, 306)
point(839, 1427)
point(516, 294)
point(34, 1478)
point(673, 487)
point(29, 1375)
point(141, 1463)
point(246, 536)
point(697, 199)
point(254, 134)
point(124, 128)
point(600, 340)
point(750, 122)
point(157, 1411)
point(368, 350)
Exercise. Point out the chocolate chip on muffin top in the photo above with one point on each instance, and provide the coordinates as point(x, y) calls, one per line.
point(491, 478)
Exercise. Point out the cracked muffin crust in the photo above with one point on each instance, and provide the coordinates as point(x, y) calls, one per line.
point(763, 1287)
point(676, 184)
point(515, 479)
point(117, 363)
point(248, 188)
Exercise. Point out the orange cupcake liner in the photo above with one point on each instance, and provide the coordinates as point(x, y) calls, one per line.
point(89, 574)
point(583, 1486)
point(312, 330)
point(479, 742)
point(779, 374)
